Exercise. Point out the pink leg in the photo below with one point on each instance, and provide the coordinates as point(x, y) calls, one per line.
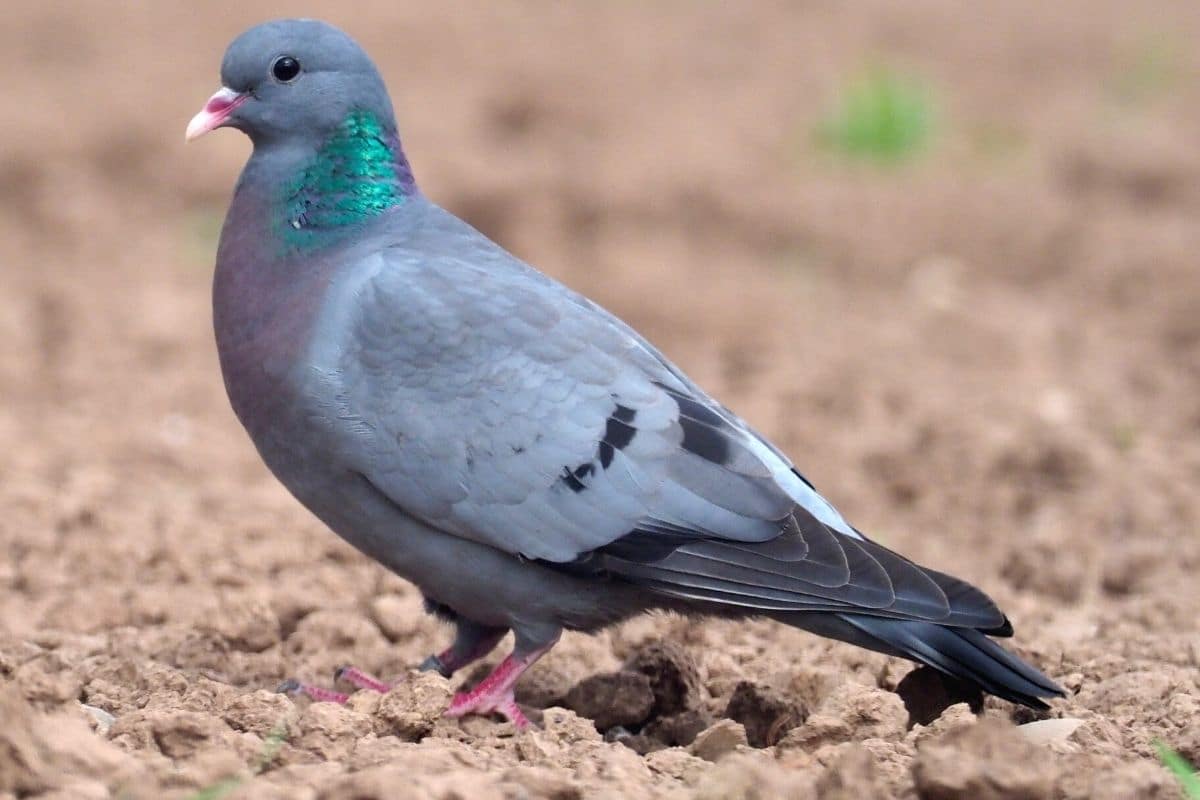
point(352, 675)
point(494, 694)
point(471, 643)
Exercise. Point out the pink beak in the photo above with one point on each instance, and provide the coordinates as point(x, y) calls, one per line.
point(215, 114)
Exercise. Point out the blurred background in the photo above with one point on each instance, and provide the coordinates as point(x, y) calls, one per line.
point(945, 254)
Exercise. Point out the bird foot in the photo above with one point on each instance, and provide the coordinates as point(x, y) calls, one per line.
point(494, 694)
point(351, 675)
point(485, 702)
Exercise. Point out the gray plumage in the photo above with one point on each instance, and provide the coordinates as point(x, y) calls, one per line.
point(520, 454)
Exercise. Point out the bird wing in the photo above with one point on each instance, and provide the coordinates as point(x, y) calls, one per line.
point(495, 404)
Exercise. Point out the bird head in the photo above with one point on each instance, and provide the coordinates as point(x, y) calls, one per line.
point(292, 79)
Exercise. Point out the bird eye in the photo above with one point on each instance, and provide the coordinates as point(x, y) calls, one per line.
point(285, 69)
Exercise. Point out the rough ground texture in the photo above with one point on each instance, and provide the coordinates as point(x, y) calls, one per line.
point(989, 358)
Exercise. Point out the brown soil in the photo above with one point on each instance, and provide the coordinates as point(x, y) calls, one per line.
point(989, 358)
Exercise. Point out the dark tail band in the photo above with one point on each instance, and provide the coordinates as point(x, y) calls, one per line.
point(963, 653)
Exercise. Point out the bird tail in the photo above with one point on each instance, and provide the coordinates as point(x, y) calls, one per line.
point(964, 653)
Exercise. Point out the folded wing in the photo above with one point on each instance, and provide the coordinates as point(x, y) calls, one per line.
point(496, 405)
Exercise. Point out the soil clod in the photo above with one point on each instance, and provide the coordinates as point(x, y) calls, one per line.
point(617, 698)
point(927, 693)
point(766, 714)
point(673, 676)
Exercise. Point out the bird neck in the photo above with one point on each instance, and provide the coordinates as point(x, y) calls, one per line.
point(358, 173)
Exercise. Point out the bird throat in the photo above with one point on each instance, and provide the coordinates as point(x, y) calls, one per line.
point(358, 173)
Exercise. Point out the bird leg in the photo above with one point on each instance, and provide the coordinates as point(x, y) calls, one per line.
point(471, 643)
point(494, 694)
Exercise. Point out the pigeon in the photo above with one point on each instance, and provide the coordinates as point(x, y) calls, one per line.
point(525, 458)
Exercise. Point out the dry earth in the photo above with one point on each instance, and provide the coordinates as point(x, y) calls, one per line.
point(989, 358)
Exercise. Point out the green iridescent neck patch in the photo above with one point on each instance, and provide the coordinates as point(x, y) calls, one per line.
point(357, 174)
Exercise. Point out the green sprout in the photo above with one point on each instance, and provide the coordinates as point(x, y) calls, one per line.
point(270, 749)
point(1124, 437)
point(217, 790)
point(1181, 769)
point(1147, 69)
point(882, 116)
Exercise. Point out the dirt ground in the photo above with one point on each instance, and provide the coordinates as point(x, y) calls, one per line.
point(989, 358)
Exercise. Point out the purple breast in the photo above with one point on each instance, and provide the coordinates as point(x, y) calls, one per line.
point(263, 313)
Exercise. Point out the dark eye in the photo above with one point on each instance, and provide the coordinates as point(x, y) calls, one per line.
point(285, 69)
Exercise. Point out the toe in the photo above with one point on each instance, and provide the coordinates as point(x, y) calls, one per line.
point(513, 713)
point(360, 680)
point(295, 688)
point(462, 704)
